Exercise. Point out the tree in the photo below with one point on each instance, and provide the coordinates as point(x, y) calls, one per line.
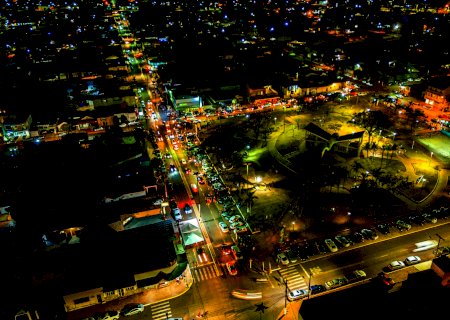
point(372, 121)
point(356, 167)
point(249, 200)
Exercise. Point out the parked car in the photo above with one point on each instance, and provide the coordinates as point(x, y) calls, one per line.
point(395, 265)
point(385, 279)
point(108, 315)
point(331, 245)
point(343, 241)
point(281, 258)
point(241, 229)
point(418, 220)
point(292, 256)
point(383, 228)
point(177, 214)
point(358, 237)
point(429, 218)
point(131, 309)
point(298, 294)
point(369, 234)
point(223, 227)
point(412, 260)
point(402, 225)
point(236, 224)
point(317, 289)
point(335, 283)
point(234, 218)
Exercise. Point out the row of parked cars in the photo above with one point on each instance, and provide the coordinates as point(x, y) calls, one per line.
point(128, 310)
point(308, 249)
point(351, 277)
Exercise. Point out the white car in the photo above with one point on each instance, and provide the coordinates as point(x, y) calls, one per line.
point(331, 245)
point(412, 260)
point(298, 294)
point(281, 258)
point(395, 265)
point(223, 227)
point(132, 309)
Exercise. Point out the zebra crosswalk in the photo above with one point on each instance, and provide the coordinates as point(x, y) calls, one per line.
point(294, 279)
point(161, 310)
point(204, 273)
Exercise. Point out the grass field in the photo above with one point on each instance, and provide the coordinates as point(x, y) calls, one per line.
point(439, 144)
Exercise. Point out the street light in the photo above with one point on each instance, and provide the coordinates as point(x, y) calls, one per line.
point(439, 242)
point(293, 225)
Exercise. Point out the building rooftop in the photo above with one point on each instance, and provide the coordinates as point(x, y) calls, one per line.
point(420, 297)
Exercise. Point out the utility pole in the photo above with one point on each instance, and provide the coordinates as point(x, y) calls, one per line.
point(285, 295)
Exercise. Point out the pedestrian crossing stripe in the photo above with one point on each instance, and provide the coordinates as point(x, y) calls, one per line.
point(205, 273)
point(161, 310)
point(294, 279)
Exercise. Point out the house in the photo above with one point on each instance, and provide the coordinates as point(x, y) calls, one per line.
point(140, 255)
point(316, 137)
point(13, 126)
point(438, 92)
point(261, 95)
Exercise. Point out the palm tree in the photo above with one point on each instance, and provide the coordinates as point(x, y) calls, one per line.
point(249, 200)
point(356, 167)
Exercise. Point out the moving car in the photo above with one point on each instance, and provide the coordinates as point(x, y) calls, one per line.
point(223, 227)
point(395, 265)
point(187, 209)
point(412, 260)
point(331, 245)
point(281, 258)
point(131, 309)
point(194, 188)
point(298, 294)
point(231, 268)
point(246, 294)
point(425, 245)
point(355, 276)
